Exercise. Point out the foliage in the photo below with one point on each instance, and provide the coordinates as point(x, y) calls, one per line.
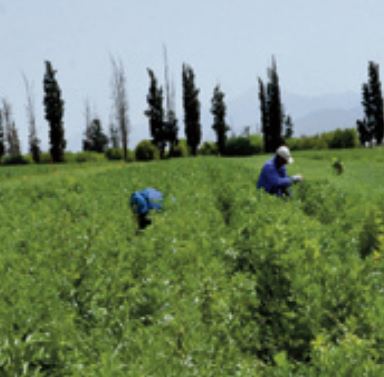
point(180, 149)
point(218, 110)
point(191, 105)
point(340, 138)
point(95, 139)
point(146, 151)
point(120, 105)
point(226, 281)
point(114, 154)
point(2, 135)
point(54, 109)
point(271, 109)
point(288, 127)
point(33, 140)
point(371, 127)
point(12, 149)
point(242, 146)
point(155, 113)
point(85, 156)
point(14, 160)
point(208, 148)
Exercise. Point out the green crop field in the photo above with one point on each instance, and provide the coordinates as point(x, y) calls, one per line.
point(227, 281)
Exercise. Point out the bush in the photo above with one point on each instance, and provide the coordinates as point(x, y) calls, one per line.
point(146, 151)
point(208, 148)
point(88, 156)
point(346, 138)
point(114, 154)
point(181, 149)
point(339, 138)
point(307, 142)
point(257, 142)
point(14, 160)
point(241, 146)
point(45, 158)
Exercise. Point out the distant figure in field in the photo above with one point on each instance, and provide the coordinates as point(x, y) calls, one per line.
point(142, 202)
point(273, 176)
point(338, 166)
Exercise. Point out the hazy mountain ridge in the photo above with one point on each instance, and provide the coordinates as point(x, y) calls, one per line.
point(310, 114)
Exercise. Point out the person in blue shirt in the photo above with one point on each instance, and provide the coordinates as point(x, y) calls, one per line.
point(273, 176)
point(142, 202)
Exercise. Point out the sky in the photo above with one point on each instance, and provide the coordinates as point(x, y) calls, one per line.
point(321, 47)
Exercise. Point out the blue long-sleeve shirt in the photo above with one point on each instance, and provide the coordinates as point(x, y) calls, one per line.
point(273, 179)
point(145, 200)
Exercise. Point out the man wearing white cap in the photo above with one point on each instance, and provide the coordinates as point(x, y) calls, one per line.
point(273, 177)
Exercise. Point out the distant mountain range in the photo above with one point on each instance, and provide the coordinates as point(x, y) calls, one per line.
point(310, 114)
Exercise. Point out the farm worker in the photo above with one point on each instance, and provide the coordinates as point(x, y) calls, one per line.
point(142, 202)
point(273, 176)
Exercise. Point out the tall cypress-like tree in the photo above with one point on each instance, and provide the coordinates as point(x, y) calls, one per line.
point(33, 140)
point(218, 110)
point(264, 115)
point(54, 110)
point(170, 123)
point(371, 127)
point(275, 108)
point(376, 98)
point(155, 113)
point(11, 135)
point(2, 141)
point(191, 106)
point(120, 103)
point(114, 137)
point(271, 110)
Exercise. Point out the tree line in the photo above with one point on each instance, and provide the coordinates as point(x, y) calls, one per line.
point(276, 125)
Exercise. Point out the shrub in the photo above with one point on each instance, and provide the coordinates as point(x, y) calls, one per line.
point(181, 149)
point(89, 156)
point(15, 160)
point(241, 146)
point(257, 142)
point(45, 158)
point(114, 154)
point(346, 138)
point(208, 148)
point(146, 151)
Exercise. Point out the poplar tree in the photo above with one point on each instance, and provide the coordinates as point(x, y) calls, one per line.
point(11, 135)
point(218, 110)
point(191, 106)
point(155, 113)
point(371, 127)
point(120, 103)
point(2, 145)
point(170, 123)
point(271, 110)
point(54, 110)
point(33, 140)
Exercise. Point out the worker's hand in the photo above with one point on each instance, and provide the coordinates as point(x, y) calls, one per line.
point(297, 178)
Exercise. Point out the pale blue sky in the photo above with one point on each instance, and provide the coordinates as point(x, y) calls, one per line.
point(321, 46)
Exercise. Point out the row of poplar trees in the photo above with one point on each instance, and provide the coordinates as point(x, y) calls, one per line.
point(162, 122)
point(276, 126)
point(95, 139)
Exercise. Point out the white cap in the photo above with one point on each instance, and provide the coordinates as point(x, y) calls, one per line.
point(284, 153)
